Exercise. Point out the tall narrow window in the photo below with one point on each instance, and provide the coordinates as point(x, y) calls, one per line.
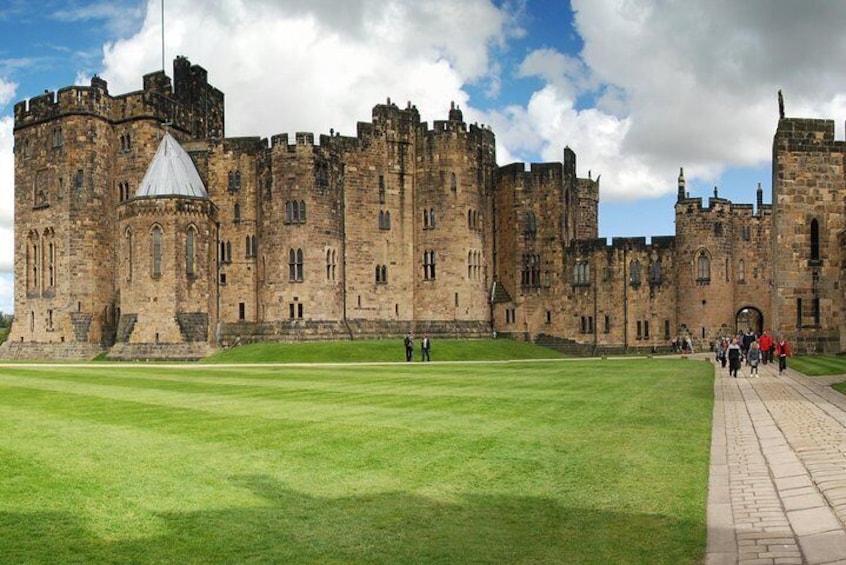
point(237, 212)
point(190, 251)
point(127, 237)
point(815, 240)
point(381, 189)
point(292, 266)
point(157, 251)
point(703, 268)
point(741, 271)
point(453, 183)
point(51, 257)
point(634, 273)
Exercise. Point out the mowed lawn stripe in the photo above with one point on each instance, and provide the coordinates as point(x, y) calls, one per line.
point(601, 462)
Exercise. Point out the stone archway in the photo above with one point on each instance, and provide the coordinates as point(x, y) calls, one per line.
point(749, 317)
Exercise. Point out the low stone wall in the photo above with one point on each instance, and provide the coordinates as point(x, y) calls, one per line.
point(160, 351)
point(232, 334)
point(41, 351)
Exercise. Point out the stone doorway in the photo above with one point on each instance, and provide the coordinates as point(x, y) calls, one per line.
point(749, 317)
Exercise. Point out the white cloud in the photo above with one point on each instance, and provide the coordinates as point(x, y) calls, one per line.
point(301, 66)
point(7, 91)
point(7, 190)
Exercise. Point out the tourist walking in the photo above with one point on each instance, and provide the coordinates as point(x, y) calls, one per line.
point(409, 346)
point(425, 346)
point(753, 357)
point(766, 345)
point(782, 351)
point(722, 345)
point(734, 357)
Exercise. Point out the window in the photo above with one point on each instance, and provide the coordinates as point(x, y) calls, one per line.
point(741, 271)
point(429, 265)
point(123, 191)
point(381, 189)
point(234, 184)
point(718, 229)
point(474, 265)
point(381, 274)
point(127, 238)
point(58, 138)
point(634, 273)
point(666, 329)
point(237, 212)
point(530, 225)
point(125, 143)
point(639, 330)
point(384, 220)
point(190, 251)
point(744, 233)
point(250, 246)
point(78, 180)
point(453, 183)
point(530, 274)
point(51, 265)
point(581, 273)
point(429, 219)
point(225, 252)
point(330, 264)
point(815, 240)
point(703, 268)
point(156, 251)
point(656, 273)
point(295, 212)
point(242, 311)
point(295, 265)
point(607, 324)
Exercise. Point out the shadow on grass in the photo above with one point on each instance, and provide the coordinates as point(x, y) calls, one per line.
point(386, 528)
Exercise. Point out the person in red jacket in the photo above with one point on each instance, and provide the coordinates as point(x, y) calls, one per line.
point(765, 342)
point(782, 350)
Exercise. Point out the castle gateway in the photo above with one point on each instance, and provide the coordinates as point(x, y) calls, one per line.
point(142, 230)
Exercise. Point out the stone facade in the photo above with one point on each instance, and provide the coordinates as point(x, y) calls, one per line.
point(400, 227)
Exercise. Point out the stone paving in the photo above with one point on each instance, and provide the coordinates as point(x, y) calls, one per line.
point(777, 488)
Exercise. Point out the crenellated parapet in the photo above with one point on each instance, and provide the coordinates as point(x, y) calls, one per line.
point(190, 104)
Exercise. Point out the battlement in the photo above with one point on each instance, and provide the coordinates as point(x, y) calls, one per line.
point(806, 134)
point(192, 105)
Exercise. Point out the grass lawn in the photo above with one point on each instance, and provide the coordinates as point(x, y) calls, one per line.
point(816, 365)
point(553, 461)
point(381, 350)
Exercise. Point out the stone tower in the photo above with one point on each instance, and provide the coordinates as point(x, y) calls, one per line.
point(166, 259)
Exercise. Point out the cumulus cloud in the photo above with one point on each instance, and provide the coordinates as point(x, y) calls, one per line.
point(7, 192)
point(312, 66)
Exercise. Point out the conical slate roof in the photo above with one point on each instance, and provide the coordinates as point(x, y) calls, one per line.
point(171, 173)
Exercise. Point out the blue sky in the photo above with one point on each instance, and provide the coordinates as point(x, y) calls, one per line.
point(637, 88)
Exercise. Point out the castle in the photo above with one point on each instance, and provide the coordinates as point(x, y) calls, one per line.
point(142, 231)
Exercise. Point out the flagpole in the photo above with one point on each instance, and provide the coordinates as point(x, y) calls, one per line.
point(163, 43)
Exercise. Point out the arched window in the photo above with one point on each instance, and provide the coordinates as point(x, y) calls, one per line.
point(237, 212)
point(634, 273)
point(656, 274)
point(703, 268)
point(741, 270)
point(156, 251)
point(127, 238)
point(815, 240)
point(453, 183)
point(190, 251)
point(302, 211)
point(431, 218)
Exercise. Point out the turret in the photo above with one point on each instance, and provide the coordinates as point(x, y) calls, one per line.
point(682, 188)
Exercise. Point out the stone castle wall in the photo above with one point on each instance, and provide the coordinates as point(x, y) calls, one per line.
point(400, 227)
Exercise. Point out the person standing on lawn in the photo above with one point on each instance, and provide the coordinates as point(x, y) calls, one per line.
point(425, 347)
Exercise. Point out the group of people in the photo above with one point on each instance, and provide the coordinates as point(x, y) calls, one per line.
point(754, 349)
point(682, 345)
point(425, 347)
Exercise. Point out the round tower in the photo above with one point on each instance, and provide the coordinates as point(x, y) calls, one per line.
point(167, 236)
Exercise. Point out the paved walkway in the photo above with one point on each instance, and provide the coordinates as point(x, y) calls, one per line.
point(777, 489)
